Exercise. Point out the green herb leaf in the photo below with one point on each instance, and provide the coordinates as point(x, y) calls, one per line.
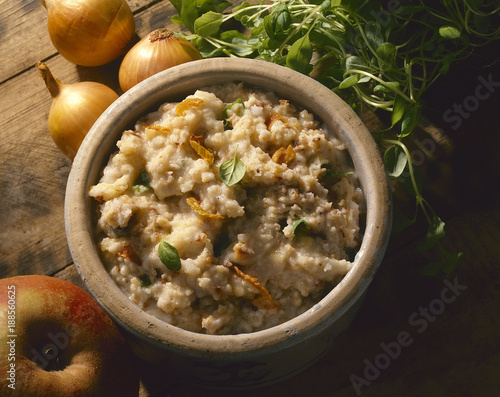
point(449, 32)
point(386, 88)
point(278, 21)
point(177, 4)
point(141, 184)
point(355, 62)
point(435, 232)
point(349, 81)
point(243, 12)
point(283, 17)
point(387, 52)
point(241, 45)
point(190, 10)
point(145, 280)
point(410, 120)
point(300, 54)
point(395, 161)
point(269, 25)
point(232, 171)
point(398, 109)
point(227, 108)
point(187, 11)
point(212, 5)
point(329, 4)
point(169, 256)
point(177, 20)
point(208, 24)
point(335, 173)
point(373, 33)
point(300, 227)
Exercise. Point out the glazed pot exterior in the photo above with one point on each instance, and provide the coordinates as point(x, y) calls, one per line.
point(244, 360)
point(248, 369)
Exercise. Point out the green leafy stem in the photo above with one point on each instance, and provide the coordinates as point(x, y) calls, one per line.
point(374, 58)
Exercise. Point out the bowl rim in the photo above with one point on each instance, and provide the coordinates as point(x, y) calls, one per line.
point(186, 78)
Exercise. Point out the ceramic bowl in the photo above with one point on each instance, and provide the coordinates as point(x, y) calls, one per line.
point(243, 360)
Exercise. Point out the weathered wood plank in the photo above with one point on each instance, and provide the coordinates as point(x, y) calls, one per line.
point(23, 27)
point(32, 179)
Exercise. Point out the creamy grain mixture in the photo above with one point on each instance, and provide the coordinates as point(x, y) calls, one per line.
point(253, 254)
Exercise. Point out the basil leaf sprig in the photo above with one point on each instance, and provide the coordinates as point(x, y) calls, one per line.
point(300, 227)
point(225, 116)
point(145, 280)
point(169, 256)
point(232, 171)
point(142, 183)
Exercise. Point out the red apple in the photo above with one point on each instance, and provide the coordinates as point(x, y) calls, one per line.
point(55, 340)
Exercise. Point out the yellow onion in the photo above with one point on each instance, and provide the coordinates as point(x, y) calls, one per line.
point(74, 109)
point(90, 32)
point(158, 51)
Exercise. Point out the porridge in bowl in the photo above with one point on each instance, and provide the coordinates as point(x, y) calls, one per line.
point(228, 212)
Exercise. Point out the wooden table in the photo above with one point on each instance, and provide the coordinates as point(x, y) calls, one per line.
point(451, 323)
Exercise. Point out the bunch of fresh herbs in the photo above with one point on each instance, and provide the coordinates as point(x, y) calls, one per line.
point(380, 55)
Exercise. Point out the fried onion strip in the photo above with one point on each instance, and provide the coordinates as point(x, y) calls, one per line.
point(158, 128)
point(187, 104)
point(202, 151)
point(265, 301)
point(129, 253)
point(283, 155)
point(196, 207)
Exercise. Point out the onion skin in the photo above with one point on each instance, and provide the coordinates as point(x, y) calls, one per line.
point(157, 51)
point(74, 109)
point(90, 32)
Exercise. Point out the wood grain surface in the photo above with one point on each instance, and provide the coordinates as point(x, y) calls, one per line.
point(452, 353)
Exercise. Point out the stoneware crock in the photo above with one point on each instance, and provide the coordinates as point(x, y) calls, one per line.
point(244, 360)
